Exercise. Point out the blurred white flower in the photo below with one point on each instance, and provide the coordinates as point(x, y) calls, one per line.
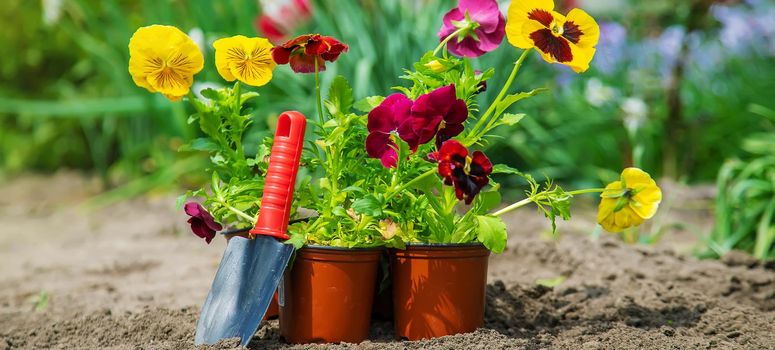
point(52, 10)
point(635, 112)
point(198, 36)
point(597, 93)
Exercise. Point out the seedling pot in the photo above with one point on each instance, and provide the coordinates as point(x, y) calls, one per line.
point(327, 295)
point(438, 289)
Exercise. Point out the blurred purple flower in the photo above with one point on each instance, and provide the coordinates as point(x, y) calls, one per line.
point(611, 47)
point(202, 223)
point(487, 29)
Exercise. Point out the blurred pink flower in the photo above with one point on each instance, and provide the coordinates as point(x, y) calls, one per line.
point(279, 19)
point(486, 27)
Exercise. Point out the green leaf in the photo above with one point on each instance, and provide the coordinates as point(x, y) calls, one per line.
point(505, 169)
point(367, 104)
point(199, 144)
point(211, 94)
point(509, 100)
point(41, 302)
point(491, 231)
point(511, 119)
point(340, 96)
point(368, 205)
point(487, 201)
point(551, 282)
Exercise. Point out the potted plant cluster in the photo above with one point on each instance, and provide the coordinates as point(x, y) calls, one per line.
point(402, 172)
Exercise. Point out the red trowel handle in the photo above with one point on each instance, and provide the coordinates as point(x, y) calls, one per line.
point(281, 176)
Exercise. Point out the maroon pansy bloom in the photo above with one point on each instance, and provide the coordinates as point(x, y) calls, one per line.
point(202, 223)
point(468, 174)
point(392, 115)
point(439, 113)
point(302, 52)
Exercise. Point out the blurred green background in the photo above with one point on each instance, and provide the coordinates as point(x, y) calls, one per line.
point(677, 87)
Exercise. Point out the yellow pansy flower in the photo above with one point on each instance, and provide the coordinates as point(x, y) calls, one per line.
point(569, 40)
point(164, 59)
point(247, 59)
point(629, 201)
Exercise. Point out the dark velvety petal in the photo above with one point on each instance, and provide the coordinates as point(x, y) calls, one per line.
point(448, 132)
point(406, 132)
point(335, 47)
point(441, 99)
point(453, 149)
point(559, 48)
point(210, 222)
point(377, 143)
point(480, 164)
point(542, 16)
point(315, 45)
point(389, 158)
point(381, 117)
point(199, 228)
point(301, 63)
point(572, 32)
point(457, 113)
point(193, 209)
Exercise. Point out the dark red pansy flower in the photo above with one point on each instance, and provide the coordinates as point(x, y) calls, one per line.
point(468, 174)
point(439, 113)
point(303, 51)
point(392, 115)
point(202, 223)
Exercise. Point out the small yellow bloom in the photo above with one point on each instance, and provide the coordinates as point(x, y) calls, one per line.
point(628, 202)
point(568, 40)
point(436, 66)
point(247, 59)
point(164, 59)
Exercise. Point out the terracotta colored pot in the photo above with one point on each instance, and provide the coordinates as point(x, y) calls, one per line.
point(327, 294)
point(274, 309)
point(438, 289)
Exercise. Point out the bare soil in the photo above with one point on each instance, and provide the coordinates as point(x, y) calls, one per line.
point(131, 276)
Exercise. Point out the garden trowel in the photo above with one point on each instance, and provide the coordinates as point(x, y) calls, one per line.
point(251, 269)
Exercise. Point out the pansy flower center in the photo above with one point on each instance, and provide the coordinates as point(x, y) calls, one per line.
point(467, 166)
point(557, 28)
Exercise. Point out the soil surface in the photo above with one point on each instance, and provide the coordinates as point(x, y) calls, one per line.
point(131, 276)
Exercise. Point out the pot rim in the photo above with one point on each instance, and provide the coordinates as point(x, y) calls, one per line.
point(326, 247)
point(421, 245)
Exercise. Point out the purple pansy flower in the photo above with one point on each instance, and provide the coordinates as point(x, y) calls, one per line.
point(392, 115)
point(486, 24)
point(202, 223)
point(439, 113)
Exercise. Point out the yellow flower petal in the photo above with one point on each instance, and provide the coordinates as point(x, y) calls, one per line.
point(519, 13)
point(590, 31)
point(647, 196)
point(164, 59)
point(581, 58)
point(247, 59)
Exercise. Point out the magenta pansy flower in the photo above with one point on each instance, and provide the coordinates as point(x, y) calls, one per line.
point(392, 115)
point(484, 23)
point(202, 223)
point(439, 113)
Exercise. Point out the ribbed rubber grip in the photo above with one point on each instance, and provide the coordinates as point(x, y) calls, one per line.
point(281, 176)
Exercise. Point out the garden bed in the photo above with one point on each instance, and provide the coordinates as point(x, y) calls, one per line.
point(130, 276)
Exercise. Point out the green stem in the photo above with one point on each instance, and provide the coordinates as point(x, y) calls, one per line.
point(530, 199)
point(317, 93)
point(410, 183)
point(239, 212)
point(447, 39)
point(501, 94)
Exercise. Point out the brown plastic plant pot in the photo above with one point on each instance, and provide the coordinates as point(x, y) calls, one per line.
point(438, 289)
point(326, 295)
